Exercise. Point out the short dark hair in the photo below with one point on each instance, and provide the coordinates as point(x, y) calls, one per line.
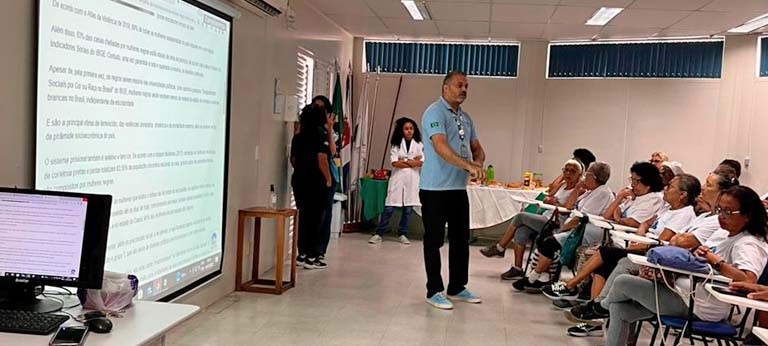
point(752, 207)
point(585, 156)
point(451, 74)
point(691, 185)
point(736, 165)
point(326, 102)
point(397, 134)
point(311, 117)
point(649, 175)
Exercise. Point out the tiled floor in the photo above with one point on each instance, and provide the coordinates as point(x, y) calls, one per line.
point(374, 295)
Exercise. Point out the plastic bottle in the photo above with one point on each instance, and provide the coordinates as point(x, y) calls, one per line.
point(527, 180)
point(489, 174)
point(272, 197)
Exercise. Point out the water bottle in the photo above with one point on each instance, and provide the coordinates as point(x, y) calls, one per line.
point(489, 174)
point(272, 197)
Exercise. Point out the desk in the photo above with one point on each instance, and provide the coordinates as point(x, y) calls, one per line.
point(761, 333)
point(490, 206)
point(604, 223)
point(643, 261)
point(637, 238)
point(373, 193)
point(144, 323)
point(740, 301)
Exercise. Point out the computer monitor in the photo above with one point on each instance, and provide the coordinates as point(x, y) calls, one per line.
point(50, 238)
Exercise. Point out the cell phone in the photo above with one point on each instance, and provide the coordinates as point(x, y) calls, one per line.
point(69, 336)
point(728, 291)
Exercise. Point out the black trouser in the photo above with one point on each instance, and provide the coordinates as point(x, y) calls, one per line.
point(325, 228)
point(310, 220)
point(439, 208)
point(549, 247)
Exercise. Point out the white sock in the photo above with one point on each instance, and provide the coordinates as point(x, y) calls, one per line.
point(533, 276)
point(544, 277)
point(498, 247)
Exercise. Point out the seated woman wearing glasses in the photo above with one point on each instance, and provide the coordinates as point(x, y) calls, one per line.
point(680, 195)
point(741, 256)
point(632, 206)
point(702, 228)
point(525, 226)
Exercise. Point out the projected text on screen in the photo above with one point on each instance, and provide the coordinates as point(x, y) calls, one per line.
point(132, 101)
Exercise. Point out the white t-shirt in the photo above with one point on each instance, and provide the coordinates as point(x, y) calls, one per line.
point(642, 208)
point(703, 227)
point(595, 201)
point(562, 195)
point(674, 220)
point(746, 252)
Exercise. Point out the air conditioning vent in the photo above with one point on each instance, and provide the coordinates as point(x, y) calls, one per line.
point(270, 7)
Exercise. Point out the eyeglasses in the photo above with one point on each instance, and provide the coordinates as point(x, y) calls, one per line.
point(634, 180)
point(570, 171)
point(726, 213)
point(655, 161)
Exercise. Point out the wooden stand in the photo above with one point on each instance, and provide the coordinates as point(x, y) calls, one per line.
point(276, 286)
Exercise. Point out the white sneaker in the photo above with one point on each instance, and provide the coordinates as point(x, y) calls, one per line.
point(403, 239)
point(375, 239)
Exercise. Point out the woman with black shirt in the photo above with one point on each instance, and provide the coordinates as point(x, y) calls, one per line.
point(311, 181)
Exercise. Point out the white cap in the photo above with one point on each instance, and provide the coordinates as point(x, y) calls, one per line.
point(674, 166)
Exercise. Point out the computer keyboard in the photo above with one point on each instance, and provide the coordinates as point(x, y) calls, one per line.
point(27, 322)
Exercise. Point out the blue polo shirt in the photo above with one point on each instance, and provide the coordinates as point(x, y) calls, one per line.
point(436, 174)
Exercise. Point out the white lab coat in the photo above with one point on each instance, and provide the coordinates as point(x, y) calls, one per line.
point(403, 190)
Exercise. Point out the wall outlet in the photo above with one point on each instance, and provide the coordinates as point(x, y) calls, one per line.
point(256, 154)
point(747, 161)
point(541, 149)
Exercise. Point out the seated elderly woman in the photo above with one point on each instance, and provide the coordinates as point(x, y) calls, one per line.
point(703, 227)
point(657, 158)
point(741, 256)
point(680, 195)
point(631, 207)
point(669, 170)
point(525, 226)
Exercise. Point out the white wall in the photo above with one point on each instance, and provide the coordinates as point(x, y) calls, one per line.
point(263, 49)
point(500, 107)
point(697, 122)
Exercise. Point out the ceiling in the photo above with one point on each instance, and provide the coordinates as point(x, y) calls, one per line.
point(551, 20)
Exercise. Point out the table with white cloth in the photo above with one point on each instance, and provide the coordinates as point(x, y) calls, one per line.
point(490, 206)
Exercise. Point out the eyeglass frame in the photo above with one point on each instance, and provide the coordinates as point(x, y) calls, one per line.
point(726, 213)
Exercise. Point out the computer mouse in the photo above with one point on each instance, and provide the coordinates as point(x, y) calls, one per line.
point(99, 325)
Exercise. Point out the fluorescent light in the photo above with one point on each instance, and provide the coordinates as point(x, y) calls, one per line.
point(604, 15)
point(412, 9)
point(423, 9)
point(752, 25)
point(418, 10)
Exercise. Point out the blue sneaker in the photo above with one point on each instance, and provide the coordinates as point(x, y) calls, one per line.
point(466, 296)
point(439, 301)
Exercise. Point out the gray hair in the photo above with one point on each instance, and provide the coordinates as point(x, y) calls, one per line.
point(691, 185)
point(451, 74)
point(601, 170)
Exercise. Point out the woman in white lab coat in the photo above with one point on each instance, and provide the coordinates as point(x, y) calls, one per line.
point(407, 156)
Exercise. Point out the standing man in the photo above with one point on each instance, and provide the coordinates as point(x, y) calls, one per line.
point(452, 154)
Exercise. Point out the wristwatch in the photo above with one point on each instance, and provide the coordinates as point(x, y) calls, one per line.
point(717, 264)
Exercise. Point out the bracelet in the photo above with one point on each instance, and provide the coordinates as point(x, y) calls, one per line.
point(717, 264)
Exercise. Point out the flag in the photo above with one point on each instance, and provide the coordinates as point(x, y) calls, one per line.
point(338, 109)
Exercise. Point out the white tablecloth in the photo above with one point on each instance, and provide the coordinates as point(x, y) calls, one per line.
point(490, 206)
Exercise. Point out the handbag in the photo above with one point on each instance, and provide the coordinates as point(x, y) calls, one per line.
point(571, 244)
point(673, 257)
point(549, 228)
